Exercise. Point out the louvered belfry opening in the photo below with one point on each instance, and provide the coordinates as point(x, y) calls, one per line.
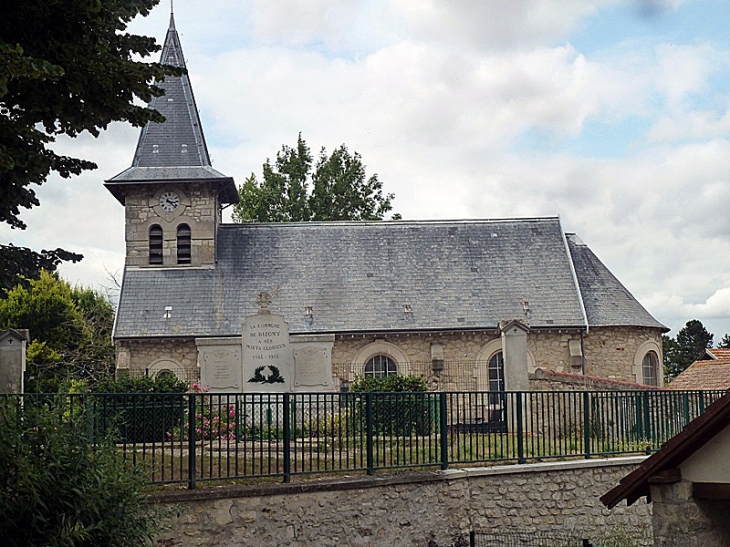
point(155, 244)
point(183, 244)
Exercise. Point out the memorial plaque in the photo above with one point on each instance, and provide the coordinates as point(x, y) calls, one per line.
point(310, 367)
point(266, 353)
point(313, 362)
point(220, 364)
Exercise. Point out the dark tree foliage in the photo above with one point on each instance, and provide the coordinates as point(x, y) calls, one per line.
point(725, 342)
point(682, 351)
point(20, 264)
point(66, 66)
point(293, 190)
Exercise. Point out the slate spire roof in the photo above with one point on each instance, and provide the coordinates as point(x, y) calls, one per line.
point(174, 150)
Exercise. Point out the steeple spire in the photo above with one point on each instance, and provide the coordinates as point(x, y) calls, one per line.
point(174, 149)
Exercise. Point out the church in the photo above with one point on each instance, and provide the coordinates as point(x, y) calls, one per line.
point(468, 304)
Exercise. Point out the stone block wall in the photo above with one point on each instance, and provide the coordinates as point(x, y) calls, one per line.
point(682, 521)
point(198, 209)
point(178, 355)
point(413, 510)
point(610, 353)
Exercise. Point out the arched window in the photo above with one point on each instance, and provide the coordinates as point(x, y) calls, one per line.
point(183, 244)
point(496, 372)
point(380, 366)
point(650, 368)
point(155, 244)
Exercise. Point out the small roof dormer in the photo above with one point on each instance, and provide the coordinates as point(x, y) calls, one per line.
point(173, 151)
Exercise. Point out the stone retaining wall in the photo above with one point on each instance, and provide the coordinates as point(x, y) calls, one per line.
point(413, 509)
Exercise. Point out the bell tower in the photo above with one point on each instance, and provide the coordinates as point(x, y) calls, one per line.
point(171, 194)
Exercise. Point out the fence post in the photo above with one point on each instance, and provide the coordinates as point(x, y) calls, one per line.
point(702, 402)
point(472, 538)
point(192, 464)
point(647, 422)
point(287, 437)
point(520, 430)
point(443, 431)
point(369, 432)
point(587, 423)
point(685, 397)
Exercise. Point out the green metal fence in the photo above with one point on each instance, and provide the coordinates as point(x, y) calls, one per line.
point(192, 437)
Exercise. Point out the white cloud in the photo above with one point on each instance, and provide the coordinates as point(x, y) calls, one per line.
point(516, 24)
point(436, 95)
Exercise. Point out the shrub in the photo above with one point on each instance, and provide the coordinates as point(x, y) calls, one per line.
point(145, 410)
point(394, 382)
point(412, 412)
point(165, 383)
point(57, 489)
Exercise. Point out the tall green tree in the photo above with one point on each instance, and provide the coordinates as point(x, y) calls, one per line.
point(725, 342)
point(293, 189)
point(70, 329)
point(682, 351)
point(66, 66)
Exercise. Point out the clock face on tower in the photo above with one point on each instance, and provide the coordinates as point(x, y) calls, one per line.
point(169, 201)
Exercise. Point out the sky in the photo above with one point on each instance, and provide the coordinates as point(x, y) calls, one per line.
point(612, 114)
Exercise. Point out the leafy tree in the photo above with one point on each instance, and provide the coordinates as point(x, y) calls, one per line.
point(66, 66)
point(681, 352)
point(725, 342)
point(58, 489)
point(70, 330)
point(292, 190)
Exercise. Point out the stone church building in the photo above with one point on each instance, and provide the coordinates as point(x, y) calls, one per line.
point(470, 304)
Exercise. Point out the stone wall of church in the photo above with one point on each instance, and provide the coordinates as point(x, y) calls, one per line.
point(614, 353)
point(610, 352)
point(198, 209)
point(617, 352)
point(150, 356)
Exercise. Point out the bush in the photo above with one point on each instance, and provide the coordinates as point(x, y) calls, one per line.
point(146, 409)
point(390, 383)
point(57, 489)
point(412, 412)
point(165, 383)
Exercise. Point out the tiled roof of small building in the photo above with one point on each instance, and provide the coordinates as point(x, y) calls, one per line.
point(711, 371)
point(390, 276)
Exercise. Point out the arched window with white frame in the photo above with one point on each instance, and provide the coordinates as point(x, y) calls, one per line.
point(650, 369)
point(380, 366)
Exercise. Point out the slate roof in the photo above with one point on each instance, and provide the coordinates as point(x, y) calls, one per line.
point(361, 277)
point(711, 371)
point(174, 150)
point(606, 300)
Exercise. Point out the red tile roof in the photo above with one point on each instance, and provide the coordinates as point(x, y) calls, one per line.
point(710, 371)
